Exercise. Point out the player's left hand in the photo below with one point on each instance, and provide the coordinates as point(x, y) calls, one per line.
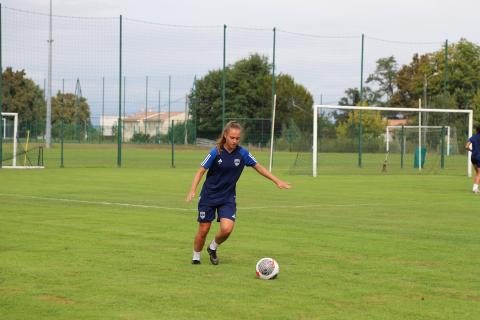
point(284, 185)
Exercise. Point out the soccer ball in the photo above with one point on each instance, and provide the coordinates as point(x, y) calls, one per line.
point(267, 268)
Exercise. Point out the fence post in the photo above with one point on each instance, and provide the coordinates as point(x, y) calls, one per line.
point(172, 138)
point(169, 99)
point(119, 122)
point(62, 124)
point(360, 129)
point(194, 110)
point(273, 98)
point(402, 146)
point(1, 92)
point(224, 73)
point(146, 105)
point(445, 75)
point(103, 108)
point(442, 147)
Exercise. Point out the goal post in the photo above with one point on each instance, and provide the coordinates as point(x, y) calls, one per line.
point(10, 135)
point(13, 154)
point(329, 113)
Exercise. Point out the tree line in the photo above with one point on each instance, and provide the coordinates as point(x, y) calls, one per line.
point(248, 95)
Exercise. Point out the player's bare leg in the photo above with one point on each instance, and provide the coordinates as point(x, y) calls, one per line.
point(226, 228)
point(199, 241)
point(476, 180)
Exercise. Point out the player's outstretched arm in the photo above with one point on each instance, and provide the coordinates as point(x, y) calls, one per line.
point(264, 172)
point(196, 181)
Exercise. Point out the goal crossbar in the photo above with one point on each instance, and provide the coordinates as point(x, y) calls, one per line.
point(376, 108)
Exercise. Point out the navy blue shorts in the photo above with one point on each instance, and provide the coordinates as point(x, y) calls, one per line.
point(475, 161)
point(206, 213)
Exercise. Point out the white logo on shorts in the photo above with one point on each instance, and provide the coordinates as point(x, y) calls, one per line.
point(237, 162)
point(234, 217)
point(202, 215)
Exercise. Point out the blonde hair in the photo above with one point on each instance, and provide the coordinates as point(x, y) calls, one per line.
point(221, 138)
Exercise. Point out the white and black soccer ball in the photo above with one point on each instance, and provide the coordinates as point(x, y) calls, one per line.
point(267, 268)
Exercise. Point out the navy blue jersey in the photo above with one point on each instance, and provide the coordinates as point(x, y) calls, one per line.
point(475, 141)
point(224, 170)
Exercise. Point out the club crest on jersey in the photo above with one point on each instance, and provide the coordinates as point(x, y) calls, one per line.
point(202, 215)
point(219, 161)
point(236, 162)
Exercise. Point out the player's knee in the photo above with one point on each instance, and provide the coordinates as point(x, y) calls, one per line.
point(227, 231)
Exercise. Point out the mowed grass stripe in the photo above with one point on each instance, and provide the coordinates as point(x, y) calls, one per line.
point(410, 253)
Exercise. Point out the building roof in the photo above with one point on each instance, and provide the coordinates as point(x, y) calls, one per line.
point(397, 122)
point(151, 116)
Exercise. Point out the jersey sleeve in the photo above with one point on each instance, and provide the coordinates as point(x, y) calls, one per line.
point(207, 162)
point(250, 160)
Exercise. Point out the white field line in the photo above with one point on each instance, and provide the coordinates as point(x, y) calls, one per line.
point(106, 203)
point(110, 203)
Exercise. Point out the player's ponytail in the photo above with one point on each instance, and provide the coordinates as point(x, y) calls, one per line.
point(221, 138)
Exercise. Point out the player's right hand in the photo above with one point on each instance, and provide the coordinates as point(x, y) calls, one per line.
point(190, 196)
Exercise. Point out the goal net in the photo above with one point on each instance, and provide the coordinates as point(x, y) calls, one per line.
point(381, 140)
point(15, 152)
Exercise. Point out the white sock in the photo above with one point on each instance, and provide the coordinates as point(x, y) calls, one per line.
point(213, 245)
point(475, 187)
point(196, 255)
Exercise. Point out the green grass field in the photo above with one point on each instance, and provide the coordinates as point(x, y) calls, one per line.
point(92, 241)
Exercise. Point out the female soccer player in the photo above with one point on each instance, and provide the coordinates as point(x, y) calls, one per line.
point(473, 145)
point(225, 164)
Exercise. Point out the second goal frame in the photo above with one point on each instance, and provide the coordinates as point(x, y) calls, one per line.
point(387, 133)
point(374, 108)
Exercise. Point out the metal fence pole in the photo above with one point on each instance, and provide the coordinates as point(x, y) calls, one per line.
point(445, 76)
point(224, 73)
point(360, 128)
point(169, 99)
point(119, 124)
point(402, 146)
point(172, 139)
point(1, 92)
point(146, 105)
point(62, 124)
point(103, 106)
point(442, 147)
point(273, 96)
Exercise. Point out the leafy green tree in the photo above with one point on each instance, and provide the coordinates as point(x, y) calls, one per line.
point(384, 78)
point(75, 113)
point(23, 96)
point(294, 104)
point(410, 81)
point(463, 74)
point(70, 108)
point(248, 97)
point(476, 107)
point(352, 97)
point(372, 123)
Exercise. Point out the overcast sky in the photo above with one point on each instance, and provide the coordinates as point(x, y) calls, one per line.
point(325, 66)
point(419, 20)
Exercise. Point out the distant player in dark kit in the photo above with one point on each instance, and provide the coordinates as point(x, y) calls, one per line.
point(225, 164)
point(473, 145)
